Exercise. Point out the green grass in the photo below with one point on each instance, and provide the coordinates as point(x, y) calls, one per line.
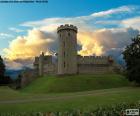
point(80, 100)
point(54, 84)
point(84, 92)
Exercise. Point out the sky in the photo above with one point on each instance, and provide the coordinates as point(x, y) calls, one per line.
point(105, 27)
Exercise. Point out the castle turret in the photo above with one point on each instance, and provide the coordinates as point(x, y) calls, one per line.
point(36, 63)
point(67, 52)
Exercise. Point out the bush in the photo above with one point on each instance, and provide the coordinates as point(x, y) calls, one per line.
point(114, 110)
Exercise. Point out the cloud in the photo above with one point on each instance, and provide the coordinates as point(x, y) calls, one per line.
point(10, 64)
point(132, 22)
point(122, 9)
point(93, 37)
point(50, 24)
point(102, 41)
point(24, 47)
point(90, 44)
point(5, 35)
point(115, 38)
point(15, 29)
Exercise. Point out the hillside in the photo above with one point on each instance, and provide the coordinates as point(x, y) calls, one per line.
point(56, 84)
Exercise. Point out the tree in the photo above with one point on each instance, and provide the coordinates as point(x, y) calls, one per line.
point(4, 80)
point(132, 59)
point(2, 68)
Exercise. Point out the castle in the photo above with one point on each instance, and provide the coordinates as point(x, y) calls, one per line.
point(67, 60)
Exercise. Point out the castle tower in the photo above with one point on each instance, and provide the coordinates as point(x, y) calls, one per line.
point(67, 51)
point(41, 64)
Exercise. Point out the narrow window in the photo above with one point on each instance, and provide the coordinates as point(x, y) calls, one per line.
point(64, 44)
point(68, 34)
point(64, 64)
point(64, 54)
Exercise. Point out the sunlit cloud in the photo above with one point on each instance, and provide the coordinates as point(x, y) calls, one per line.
point(93, 37)
point(24, 47)
point(90, 44)
point(88, 31)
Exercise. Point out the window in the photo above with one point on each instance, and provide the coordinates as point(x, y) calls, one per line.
point(64, 44)
point(68, 34)
point(64, 64)
point(64, 54)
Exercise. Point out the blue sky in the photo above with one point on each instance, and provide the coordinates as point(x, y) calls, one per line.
point(17, 22)
point(14, 14)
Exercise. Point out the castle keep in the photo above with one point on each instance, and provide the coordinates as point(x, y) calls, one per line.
point(68, 61)
point(67, 51)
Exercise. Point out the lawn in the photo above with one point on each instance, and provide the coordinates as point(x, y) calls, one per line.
point(56, 84)
point(69, 101)
point(84, 92)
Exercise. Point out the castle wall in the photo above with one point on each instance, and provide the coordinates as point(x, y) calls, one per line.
point(36, 64)
point(92, 59)
point(27, 77)
point(68, 60)
point(41, 64)
point(94, 64)
point(93, 69)
point(50, 69)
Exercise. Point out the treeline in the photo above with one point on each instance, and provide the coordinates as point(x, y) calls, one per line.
point(4, 80)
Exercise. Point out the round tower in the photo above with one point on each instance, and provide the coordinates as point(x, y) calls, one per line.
point(67, 51)
point(41, 64)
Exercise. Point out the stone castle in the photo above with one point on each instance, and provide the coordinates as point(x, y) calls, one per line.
point(67, 61)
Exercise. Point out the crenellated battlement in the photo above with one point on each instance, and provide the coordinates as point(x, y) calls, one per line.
point(67, 26)
point(93, 59)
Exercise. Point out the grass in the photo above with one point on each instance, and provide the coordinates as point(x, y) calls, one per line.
point(83, 92)
point(80, 100)
point(53, 84)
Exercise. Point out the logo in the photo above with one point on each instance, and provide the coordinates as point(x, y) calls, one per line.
point(132, 112)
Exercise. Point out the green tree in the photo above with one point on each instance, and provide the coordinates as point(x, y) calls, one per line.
point(2, 68)
point(132, 59)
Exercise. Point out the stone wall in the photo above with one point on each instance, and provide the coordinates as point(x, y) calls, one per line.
point(94, 68)
point(94, 64)
point(85, 65)
point(93, 59)
point(28, 76)
point(44, 65)
point(50, 69)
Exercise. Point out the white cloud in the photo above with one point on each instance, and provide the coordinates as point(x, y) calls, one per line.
point(93, 40)
point(132, 22)
point(5, 35)
point(123, 9)
point(87, 27)
point(91, 21)
point(10, 64)
point(15, 29)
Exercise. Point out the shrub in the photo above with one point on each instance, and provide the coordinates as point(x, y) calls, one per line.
point(114, 110)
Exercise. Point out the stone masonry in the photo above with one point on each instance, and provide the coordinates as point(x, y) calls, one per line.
point(68, 61)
